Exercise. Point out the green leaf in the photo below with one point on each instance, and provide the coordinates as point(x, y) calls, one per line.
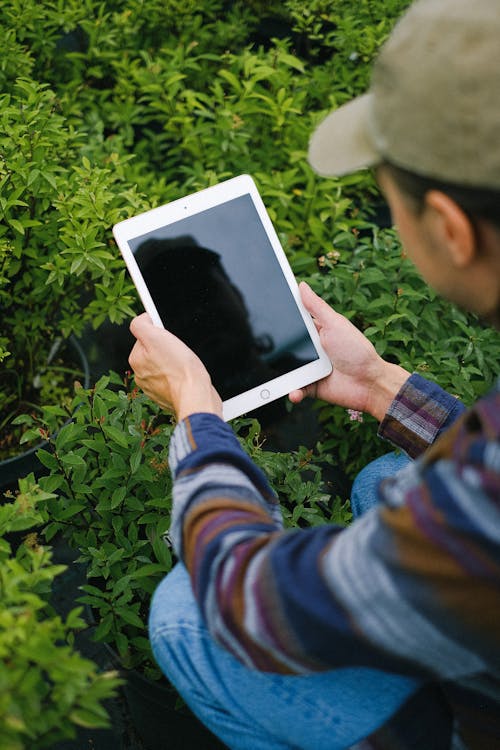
point(73, 461)
point(131, 618)
point(162, 553)
point(292, 61)
point(94, 590)
point(17, 225)
point(104, 628)
point(68, 434)
point(115, 435)
point(87, 718)
point(74, 620)
point(23, 419)
point(30, 435)
point(77, 265)
point(47, 459)
point(122, 644)
point(133, 503)
point(122, 585)
point(135, 459)
point(152, 569)
point(70, 511)
point(50, 179)
point(117, 497)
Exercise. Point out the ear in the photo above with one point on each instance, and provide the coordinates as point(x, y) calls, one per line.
point(451, 228)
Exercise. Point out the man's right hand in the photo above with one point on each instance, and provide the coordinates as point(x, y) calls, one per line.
point(169, 372)
point(360, 378)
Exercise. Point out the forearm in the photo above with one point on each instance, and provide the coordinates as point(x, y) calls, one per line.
point(208, 464)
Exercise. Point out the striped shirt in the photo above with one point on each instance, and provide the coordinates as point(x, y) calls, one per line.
point(412, 587)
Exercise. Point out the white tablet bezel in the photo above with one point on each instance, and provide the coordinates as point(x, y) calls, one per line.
point(192, 204)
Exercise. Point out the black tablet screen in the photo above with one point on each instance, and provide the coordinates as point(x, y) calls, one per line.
point(218, 286)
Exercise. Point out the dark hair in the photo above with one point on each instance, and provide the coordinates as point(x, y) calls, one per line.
point(477, 203)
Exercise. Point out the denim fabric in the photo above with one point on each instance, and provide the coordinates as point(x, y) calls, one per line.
point(364, 488)
point(252, 710)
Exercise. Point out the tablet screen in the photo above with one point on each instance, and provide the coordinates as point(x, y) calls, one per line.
point(218, 286)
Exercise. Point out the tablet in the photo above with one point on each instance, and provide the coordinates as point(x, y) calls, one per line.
point(210, 268)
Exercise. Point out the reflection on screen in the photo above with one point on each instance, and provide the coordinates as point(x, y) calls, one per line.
point(218, 286)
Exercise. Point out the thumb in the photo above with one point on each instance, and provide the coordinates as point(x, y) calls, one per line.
point(314, 304)
point(141, 326)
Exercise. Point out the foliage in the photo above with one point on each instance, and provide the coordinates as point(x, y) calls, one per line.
point(46, 687)
point(133, 104)
point(56, 269)
point(197, 92)
point(109, 475)
point(298, 477)
point(105, 103)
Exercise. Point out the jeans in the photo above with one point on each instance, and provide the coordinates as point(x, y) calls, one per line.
point(251, 710)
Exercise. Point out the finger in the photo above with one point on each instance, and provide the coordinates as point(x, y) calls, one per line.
point(296, 396)
point(135, 356)
point(299, 394)
point(140, 325)
point(318, 308)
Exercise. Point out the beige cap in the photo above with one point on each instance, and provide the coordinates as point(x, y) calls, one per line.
point(433, 106)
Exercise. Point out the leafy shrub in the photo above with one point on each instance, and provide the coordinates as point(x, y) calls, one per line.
point(111, 489)
point(46, 687)
point(56, 269)
point(111, 107)
point(299, 477)
point(155, 100)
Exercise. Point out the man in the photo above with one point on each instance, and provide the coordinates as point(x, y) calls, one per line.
point(385, 634)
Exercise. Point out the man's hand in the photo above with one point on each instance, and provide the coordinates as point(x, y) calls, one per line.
point(169, 372)
point(360, 378)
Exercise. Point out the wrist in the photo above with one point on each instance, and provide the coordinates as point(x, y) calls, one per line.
point(386, 386)
point(198, 397)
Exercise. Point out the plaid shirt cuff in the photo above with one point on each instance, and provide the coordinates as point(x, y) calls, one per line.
point(418, 415)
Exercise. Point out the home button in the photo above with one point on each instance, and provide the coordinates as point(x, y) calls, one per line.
point(264, 394)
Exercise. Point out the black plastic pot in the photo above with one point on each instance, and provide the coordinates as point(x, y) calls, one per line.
point(159, 717)
point(11, 469)
point(157, 720)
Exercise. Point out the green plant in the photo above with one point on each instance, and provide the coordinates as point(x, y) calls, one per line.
point(46, 687)
point(109, 476)
point(196, 92)
point(299, 477)
point(354, 32)
point(56, 269)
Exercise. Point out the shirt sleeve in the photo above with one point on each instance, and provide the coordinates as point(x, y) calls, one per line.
point(409, 587)
point(419, 414)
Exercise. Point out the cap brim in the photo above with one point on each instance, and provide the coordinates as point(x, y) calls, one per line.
point(341, 144)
